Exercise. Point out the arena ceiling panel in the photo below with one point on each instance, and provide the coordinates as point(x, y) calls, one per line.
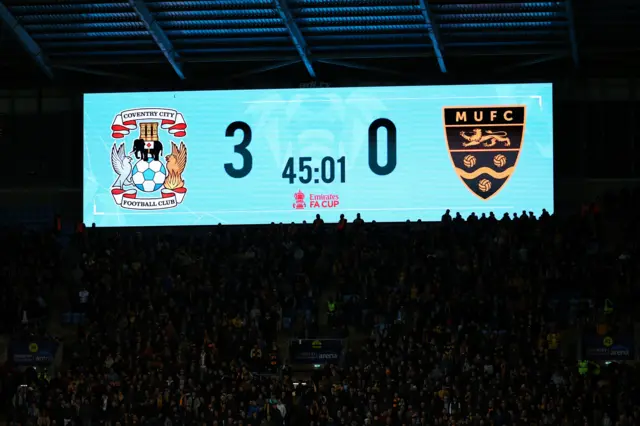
point(113, 42)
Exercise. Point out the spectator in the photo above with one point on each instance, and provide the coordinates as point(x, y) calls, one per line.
point(462, 322)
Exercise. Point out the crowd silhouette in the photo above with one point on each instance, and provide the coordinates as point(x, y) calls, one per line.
point(468, 321)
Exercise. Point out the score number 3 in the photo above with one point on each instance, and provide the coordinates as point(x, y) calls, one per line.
point(241, 148)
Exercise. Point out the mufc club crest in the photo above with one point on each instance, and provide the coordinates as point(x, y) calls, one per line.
point(484, 144)
point(146, 179)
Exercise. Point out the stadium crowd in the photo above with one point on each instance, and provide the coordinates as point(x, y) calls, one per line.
point(463, 319)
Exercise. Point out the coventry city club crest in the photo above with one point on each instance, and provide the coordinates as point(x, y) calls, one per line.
point(144, 179)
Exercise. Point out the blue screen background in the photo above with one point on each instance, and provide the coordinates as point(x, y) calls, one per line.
point(318, 123)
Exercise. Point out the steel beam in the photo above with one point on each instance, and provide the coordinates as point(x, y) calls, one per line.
point(357, 66)
point(158, 35)
point(572, 33)
point(382, 53)
point(434, 34)
point(531, 62)
point(29, 43)
point(265, 68)
point(296, 35)
point(100, 73)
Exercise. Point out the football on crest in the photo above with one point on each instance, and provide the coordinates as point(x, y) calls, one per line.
point(469, 161)
point(484, 185)
point(500, 160)
point(149, 175)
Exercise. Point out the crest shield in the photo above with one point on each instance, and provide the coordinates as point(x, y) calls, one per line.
point(484, 144)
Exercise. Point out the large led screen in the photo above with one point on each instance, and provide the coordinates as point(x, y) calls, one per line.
point(262, 156)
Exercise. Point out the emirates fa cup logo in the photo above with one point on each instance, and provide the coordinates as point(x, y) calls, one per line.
point(299, 197)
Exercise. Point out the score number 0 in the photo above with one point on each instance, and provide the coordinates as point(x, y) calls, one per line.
point(247, 158)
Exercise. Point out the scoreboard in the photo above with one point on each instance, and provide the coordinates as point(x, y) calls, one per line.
point(261, 156)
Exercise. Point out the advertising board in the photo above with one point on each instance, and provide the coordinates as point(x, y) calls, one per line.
point(608, 348)
point(316, 351)
point(32, 352)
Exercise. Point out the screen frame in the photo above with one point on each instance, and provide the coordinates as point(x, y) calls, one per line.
point(86, 94)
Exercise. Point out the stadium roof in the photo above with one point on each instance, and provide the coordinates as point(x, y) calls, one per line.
point(214, 43)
